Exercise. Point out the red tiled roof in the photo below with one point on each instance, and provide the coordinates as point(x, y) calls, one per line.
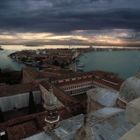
point(28, 125)
point(72, 82)
point(33, 73)
point(64, 98)
point(105, 78)
point(9, 90)
point(116, 87)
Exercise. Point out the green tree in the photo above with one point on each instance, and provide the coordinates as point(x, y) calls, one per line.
point(32, 106)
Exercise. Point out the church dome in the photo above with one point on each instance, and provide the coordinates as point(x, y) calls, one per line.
point(130, 89)
point(103, 96)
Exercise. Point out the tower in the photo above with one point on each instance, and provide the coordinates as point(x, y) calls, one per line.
point(52, 115)
point(85, 132)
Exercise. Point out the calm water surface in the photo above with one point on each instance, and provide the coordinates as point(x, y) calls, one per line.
point(125, 63)
point(8, 63)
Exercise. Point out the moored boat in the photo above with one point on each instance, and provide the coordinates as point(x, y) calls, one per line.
point(80, 65)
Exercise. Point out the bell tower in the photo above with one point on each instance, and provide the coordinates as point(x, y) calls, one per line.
point(52, 115)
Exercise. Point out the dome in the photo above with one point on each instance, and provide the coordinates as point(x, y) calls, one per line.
point(130, 89)
point(103, 96)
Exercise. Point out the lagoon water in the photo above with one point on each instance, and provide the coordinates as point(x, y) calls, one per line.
point(7, 63)
point(125, 63)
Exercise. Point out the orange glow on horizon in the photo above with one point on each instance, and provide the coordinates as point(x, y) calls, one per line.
point(75, 37)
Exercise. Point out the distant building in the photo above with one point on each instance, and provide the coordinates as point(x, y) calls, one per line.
point(55, 89)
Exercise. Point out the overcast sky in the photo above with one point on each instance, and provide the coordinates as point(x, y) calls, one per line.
point(92, 21)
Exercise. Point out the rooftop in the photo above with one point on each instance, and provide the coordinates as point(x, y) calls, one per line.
point(111, 126)
point(28, 125)
point(106, 112)
point(66, 130)
point(39, 136)
point(65, 99)
point(105, 97)
point(68, 127)
point(133, 111)
point(133, 134)
point(9, 90)
point(32, 72)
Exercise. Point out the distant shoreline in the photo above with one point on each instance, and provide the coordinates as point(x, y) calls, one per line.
point(1, 49)
point(91, 47)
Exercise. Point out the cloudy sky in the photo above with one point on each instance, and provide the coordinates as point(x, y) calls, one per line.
point(70, 21)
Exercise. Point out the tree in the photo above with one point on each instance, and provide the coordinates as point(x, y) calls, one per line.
point(1, 116)
point(32, 106)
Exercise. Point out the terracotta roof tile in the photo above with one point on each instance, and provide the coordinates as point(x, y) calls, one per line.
point(9, 90)
point(28, 125)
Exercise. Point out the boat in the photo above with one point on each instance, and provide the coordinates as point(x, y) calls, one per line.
point(80, 69)
point(80, 65)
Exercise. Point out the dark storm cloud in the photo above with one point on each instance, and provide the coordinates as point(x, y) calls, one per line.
point(68, 15)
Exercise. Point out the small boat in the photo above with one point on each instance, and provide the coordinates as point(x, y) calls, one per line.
point(80, 69)
point(80, 65)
